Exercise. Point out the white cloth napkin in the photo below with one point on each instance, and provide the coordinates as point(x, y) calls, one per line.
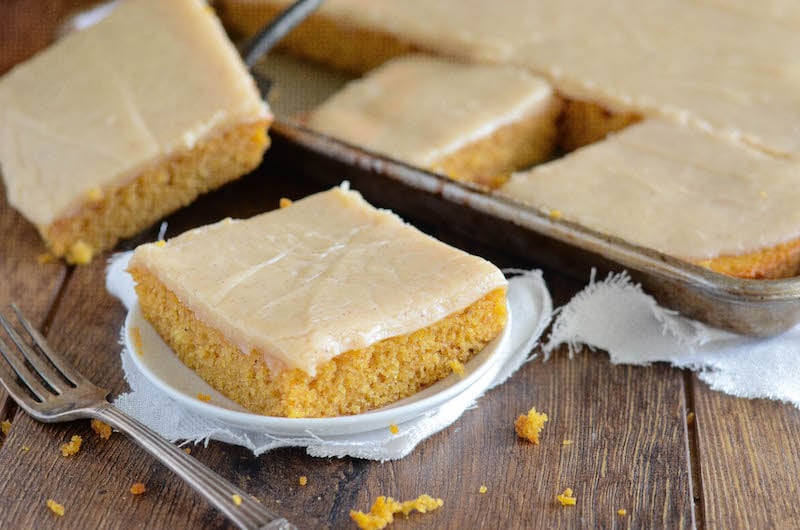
point(531, 309)
point(617, 316)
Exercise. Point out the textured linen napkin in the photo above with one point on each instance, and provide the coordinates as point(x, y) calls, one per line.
point(617, 316)
point(531, 309)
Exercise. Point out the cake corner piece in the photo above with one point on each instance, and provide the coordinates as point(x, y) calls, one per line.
point(105, 132)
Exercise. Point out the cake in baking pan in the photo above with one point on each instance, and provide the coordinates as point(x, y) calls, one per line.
point(475, 123)
point(680, 191)
point(708, 64)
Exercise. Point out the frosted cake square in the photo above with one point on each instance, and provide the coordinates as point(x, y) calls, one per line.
point(117, 125)
point(325, 307)
point(679, 191)
point(476, 123)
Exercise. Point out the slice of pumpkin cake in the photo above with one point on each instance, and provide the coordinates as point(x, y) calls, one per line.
point(475, 123)
point(117, 125)
point(325, 307)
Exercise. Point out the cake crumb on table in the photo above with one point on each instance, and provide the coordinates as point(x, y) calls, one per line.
point(45, 258)
point(690, 418)
point(566, 498)
point(56, 508)
point(483, 489)
point(529, 426)
point(25, 448)
point(237, 499)
point(72, 447)
point(394, 429)
point(567, 442)
point(203, 397)
point(80, 253)
point(102, 429)
point(384, 508)
point(5, 427)
point(303, 480)
point(622, 511)
point(187, 450)
point(138, 488)
point(457, 367)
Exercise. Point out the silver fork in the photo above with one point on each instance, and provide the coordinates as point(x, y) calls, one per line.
point(51, 390)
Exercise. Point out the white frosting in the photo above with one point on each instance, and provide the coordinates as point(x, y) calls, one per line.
point(703, 62)
point(674, 189)
point(421, 109)
point(328, 274)
point(88, 113)
point(785, 12)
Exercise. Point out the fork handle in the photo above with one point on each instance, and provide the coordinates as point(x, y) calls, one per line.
point(247, 514)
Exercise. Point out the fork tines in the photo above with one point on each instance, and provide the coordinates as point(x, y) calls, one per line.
point(46, 367)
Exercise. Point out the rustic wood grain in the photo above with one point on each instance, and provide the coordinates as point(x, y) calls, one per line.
point(32, 285)
point(628, 452)
point(750, 460)
point(94, 484)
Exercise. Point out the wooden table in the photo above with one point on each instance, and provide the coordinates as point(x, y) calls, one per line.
point(737, 465)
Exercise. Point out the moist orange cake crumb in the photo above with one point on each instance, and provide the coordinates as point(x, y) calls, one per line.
point(102, 429)
point(303, 480)
point(5, 427)
point(46, 258)
point(237, 499)
point(583, 122)
point(138, 488)
point(457, 367)
point(566, 498)
point(72, 447)
point(203, 397)
point(384, 508)
point(529, 426)
point(483, 489)
point(136, 337)
point(690, 418)
point(56, 508)
point(80, 252)
point(284, 202)
point(394, 429)
point(622, 511)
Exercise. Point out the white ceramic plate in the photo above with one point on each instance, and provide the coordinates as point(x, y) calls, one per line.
point(162, 367)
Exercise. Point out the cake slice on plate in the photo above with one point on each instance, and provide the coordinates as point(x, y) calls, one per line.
point(122, 123)
point(325, 307)
point(475, 123)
